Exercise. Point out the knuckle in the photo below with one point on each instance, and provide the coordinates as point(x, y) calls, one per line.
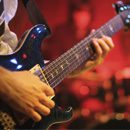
point(42, 97)
point(36, 106)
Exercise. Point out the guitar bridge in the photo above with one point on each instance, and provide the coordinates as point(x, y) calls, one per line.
point(37, 70)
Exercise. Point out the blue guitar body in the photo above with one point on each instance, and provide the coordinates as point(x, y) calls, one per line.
point(28, 52)
point(26, 56)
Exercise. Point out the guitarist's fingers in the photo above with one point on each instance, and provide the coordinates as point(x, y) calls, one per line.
point(48, 91)
point(46, 101)
point(109, 41)
point(105, 48)
point(41, 109)
point(98, 49)
point(34, 115)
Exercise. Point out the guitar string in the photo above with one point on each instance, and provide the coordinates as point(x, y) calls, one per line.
point(54, 82)
point(50, 67)
point(88, 40)
point(95, 34)
point(63, 71)
point(61, 77)
point(67, 68)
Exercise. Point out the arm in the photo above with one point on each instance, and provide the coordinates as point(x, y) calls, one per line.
point(25, 93)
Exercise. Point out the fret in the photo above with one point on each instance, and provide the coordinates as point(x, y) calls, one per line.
point(57, 70)
point(42, 77)
point(43, 80)
point(111, 28)
point(115, 26)
point(65, 72)
point(69, 67)
point(37, 70)
point(70, 58)
point(61, 76)
point(51, 74)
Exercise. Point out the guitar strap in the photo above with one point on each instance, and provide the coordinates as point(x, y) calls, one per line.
point(34, 13)
point(2, 22)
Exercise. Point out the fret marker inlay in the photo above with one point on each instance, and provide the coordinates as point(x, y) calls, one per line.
point(52, 75)
point(111, 28)
point(77, 56)
point(62, 67)
point(58, 69)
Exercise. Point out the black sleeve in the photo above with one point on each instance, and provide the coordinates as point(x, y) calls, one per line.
point(25, 2)
point(34, 13)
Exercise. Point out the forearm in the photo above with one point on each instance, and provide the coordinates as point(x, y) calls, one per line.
point(4, 76)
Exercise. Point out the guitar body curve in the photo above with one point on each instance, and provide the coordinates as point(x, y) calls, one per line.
point(28, 52)
point(26, 56)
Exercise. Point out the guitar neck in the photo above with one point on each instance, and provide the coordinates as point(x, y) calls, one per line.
point(60, 68)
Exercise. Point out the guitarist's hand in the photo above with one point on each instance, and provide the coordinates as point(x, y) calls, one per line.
point(102, 47)
point(25, 93)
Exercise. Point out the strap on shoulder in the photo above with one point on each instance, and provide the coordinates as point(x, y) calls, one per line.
point(34, 13)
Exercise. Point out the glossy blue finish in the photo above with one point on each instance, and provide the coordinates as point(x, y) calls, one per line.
point(28, 54)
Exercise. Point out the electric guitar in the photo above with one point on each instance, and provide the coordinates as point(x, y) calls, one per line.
point(27, 56)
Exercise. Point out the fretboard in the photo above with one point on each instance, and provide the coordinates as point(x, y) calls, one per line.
point(60, 68)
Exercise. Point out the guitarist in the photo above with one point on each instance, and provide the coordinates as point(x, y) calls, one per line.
point(23, 91)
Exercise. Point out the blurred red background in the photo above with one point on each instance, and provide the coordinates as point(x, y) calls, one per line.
point(93, 94)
